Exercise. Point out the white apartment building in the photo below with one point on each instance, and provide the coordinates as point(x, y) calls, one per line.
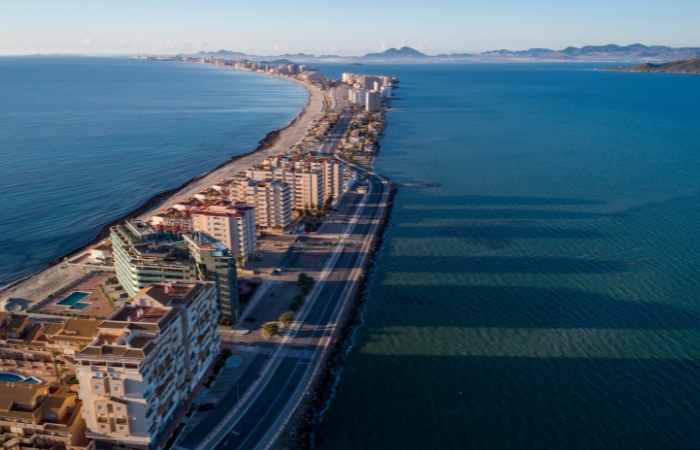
point(358, 96)
point(332, 176)
point(146, 360)
point(272, 201)
point(233, 226)
point(308, 189)
point(373, 101)
point(312, 76)
point(340, 93)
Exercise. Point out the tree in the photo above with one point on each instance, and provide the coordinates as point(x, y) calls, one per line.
point(55, 353)
point(81, 347)
point(295, 305)
point(302, 278)
point(286, 318)
point(239, 260)
point(306, 289)
point(59, 375)
point(270, 329)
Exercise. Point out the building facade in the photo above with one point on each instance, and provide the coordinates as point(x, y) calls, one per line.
point(143, 256)
point(39, 416)
point(373, 101)
point(146, 360)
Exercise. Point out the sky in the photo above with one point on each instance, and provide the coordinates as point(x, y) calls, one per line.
point(273, 27)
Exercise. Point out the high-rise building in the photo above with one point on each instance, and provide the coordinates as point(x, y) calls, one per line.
point(308, 189)
point(214, 262)
point(143, 255)
point(233, 226)
point(272, 201)
point(373, 101)
point(145, 362)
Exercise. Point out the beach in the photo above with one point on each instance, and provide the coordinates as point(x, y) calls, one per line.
point(35, 288)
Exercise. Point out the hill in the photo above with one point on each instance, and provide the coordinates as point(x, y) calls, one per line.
point(403, 52)
point(689, 66)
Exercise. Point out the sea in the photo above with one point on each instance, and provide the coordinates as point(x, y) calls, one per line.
point(85, 140)
point(546, 295)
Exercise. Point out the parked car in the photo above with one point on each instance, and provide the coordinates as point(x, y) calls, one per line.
point(206, 407)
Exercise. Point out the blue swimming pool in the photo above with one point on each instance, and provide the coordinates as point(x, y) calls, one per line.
point(80, 306)
point(73, 298)
point(8, 376)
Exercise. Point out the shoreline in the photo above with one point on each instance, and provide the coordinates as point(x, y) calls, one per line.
point(268, 142)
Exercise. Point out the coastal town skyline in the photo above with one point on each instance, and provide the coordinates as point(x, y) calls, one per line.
point(347, 29)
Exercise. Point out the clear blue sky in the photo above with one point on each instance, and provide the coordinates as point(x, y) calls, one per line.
point(340, 27)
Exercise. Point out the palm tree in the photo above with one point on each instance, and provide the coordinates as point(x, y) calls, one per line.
point(55, 353)
point(59, 375)
point(239, 260)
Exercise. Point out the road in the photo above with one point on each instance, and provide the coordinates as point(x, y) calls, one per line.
point(262, 415)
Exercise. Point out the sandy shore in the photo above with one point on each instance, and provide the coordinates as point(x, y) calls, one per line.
point(37, 287)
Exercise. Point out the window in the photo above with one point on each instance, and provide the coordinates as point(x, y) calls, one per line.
point(119, 408)
point(121, 428)
point(103, 426)
point(116, 389)
point(97, 388)
point(99, 407)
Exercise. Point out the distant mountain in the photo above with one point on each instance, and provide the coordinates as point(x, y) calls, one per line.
point(633, 51)
point(689, 66)
point(611, 52)
point(221, 54)
point(600, 52)
point(403, 52)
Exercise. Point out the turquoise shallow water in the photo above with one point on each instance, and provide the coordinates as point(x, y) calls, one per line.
point(85, 140)
point(546, 295)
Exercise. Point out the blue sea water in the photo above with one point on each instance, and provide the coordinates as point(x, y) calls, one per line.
point(85, 140)
point(547, 294)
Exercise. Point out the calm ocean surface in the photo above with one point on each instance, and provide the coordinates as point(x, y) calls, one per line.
point(547, 295)
point(85, 140)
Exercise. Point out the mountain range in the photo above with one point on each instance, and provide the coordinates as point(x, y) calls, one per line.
point(611, 52)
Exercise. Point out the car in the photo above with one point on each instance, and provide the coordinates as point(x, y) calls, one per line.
point(259, 257)
point(206, 407)
point(336, 209)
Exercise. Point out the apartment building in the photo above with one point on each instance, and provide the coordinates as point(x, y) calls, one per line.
point(308, 189)
point(312, 76)
point(272, 201)
point(373, 101)
point(214, 262)
point(358, 96)
point(145, 361)
point(333, 170)
point(143, 255)
point(38, 416)
point(232, 225)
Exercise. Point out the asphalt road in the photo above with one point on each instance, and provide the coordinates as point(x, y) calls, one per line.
point(263, 412)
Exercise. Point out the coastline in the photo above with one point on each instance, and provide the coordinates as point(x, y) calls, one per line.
point(293, 131)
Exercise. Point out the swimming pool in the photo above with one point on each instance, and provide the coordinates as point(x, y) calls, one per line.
point(9, 376)
point(80, 306)
point(73, 298)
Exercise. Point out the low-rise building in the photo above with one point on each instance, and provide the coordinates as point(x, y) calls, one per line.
point(38, 416)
